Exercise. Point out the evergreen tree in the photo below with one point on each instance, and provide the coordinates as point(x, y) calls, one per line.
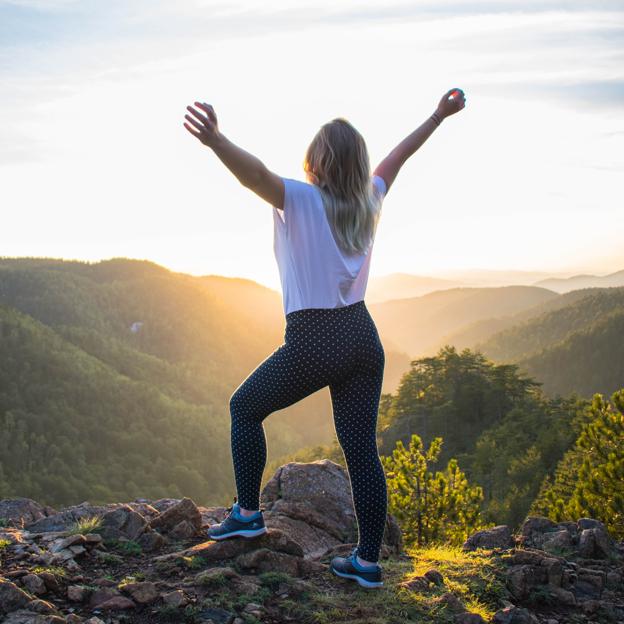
point(440, 507)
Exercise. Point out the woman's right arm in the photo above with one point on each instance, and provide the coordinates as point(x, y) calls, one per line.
point(390, 166)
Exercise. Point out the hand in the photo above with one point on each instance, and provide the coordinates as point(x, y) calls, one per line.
point(447, 107)
point(207, 128)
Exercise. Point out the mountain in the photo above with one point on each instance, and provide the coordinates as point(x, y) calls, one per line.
point(404, 286)
point(570, 348)
point(418, 324)
point(576, 282)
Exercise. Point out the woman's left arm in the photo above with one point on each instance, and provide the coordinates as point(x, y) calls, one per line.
point(249, 170)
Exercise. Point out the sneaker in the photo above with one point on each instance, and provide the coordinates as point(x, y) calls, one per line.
point(348, 567)
point(235, 524)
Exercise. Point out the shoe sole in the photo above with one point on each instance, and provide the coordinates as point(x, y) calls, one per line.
point(241, 532)
point(361, 581)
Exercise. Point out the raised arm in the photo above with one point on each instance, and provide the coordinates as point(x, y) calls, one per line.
point(249, 170)
point(390, 166)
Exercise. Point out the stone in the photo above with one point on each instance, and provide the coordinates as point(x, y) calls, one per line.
point(514, 615)
point(563, 596)
point(76, 593)
point(24, 616)
point(12, 597)
point(452, 602)
point(434, 576)
point(122, 522)
point(42, 606)
point(213, 551)
point(312, 502)
point(34, 584)
point(101, 595)
point(141, 592)
point(184, 511)
point(265, 560)
point(497, 537)
point(151, 540)
point(469, 618)
point(22, 511)
point(174, 598)
point(62, 543)
point(117, 603)
point(558, 541)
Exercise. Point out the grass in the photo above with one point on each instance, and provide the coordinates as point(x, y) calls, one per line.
point(88, 524)
point(476, 578)
point(4, 543)
point(57, 571)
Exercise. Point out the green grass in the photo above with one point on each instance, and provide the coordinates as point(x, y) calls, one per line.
point(89, 524)
point(57, 571)
point(4, 543)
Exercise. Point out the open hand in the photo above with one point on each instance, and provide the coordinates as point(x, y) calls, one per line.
point(450, 105)
point(205, 127)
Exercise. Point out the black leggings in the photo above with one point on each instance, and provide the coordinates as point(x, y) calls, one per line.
point(339, 347)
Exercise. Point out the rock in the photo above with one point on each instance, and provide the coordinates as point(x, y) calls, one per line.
point(312, 502)
point(558, 541)
point(452, 602)
point(117, 603)
point(434, 576)
point(215, 576)
point(514, 615)
point(151, 540)
point(63, 520)
point(174, 598)
point(265, 560)
point(12, 597)
point(183, 512)
point(24, 616)
point(416, 583)
point(72, 618)
point(469, 618)
point(142, 593)
point(122, 522)
point(21, 511)
point(34, 584)
point(183, 530)
point(94, 620)
point(76, 593)
point(62, 543)
point(101, 595)
point(254, 609)
point(42, 606)
point(563, 596)
point(50, 581)
point(213, 551)
point(497, 537)
point(217, 615)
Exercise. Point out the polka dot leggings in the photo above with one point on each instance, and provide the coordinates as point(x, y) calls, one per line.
point(335, 347)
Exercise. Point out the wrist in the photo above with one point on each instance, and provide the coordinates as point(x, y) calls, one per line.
point(437, 117)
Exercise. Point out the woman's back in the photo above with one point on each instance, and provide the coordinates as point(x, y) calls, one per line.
point(314, 271)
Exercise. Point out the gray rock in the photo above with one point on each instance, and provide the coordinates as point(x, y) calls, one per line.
point(496, 537)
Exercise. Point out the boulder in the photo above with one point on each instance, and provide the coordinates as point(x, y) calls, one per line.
point(122, 522)
point(312, 502)
point(497, 537)
point(19, 512)
point(183, 518)
point(12, 597)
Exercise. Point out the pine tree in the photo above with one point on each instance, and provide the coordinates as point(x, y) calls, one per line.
point(440, 507)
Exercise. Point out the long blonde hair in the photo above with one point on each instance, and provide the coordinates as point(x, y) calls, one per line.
point(337, 162)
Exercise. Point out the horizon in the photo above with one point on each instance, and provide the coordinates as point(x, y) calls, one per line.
point(95, 162)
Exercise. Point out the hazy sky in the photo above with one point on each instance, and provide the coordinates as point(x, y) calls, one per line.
point(95, 162)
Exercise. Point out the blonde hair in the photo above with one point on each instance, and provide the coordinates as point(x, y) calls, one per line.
point(337, 161)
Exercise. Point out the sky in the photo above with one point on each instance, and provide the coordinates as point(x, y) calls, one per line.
point(95, 162)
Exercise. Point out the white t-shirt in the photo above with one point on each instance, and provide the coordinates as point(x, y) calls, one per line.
point(314, 271)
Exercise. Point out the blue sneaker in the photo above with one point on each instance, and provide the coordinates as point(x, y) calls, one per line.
point(348, 567)
point(234, 524)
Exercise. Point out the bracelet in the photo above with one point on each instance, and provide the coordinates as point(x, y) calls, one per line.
point(436, 118)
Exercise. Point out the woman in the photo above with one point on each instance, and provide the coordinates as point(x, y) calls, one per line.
point(323, 236)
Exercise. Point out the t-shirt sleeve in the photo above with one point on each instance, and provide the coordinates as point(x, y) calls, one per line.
point(379, 184)
point(299, 203)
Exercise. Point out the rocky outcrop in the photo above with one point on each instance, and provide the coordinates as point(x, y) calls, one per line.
point(151, 561)
point(312, 502)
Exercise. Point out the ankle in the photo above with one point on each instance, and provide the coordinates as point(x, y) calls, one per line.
point(246, 513)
